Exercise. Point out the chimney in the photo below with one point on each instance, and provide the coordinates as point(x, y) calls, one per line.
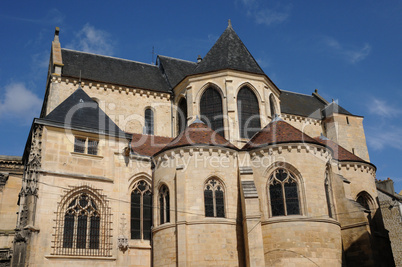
point(386, 185)
point(57, 61)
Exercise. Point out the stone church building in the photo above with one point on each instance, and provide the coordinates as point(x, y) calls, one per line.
point(180, 163)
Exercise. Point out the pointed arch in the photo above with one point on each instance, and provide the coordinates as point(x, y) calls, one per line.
point(164, 204)
point(83, 223)
point(211, 109)
point(272, 106)
point(248, 112)
point(141, 210)
point(284, 190)
point(181, 115)
point(214, 198)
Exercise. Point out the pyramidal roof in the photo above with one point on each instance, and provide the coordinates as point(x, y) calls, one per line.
point(198, 134)
point(278, 131)
point(80, 111)
point(228, 52)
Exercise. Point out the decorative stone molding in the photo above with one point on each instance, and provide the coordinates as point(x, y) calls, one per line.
point(112, 87)
point(289, 117)
point(249, 189)
point(3, 180)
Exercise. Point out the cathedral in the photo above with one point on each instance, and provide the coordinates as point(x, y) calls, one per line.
point(180, 163)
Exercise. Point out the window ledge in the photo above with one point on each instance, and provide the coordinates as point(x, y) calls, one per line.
point(80, 257)
point(86, 155)
point(298, 218)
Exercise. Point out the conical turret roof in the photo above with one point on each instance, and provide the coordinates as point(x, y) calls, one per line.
point(278, 131)
point(228, 52)
point(198, 134)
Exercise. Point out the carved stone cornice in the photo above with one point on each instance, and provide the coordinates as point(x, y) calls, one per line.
point(3, 180)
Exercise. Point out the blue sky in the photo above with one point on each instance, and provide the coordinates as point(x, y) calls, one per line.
point(348, 50)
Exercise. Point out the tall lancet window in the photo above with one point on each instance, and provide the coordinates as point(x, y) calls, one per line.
point(272, 106)
point(141, 211)
point(211, 110)
point(214, 198)
point(249, 113)
point(283, 193)
point(164, 205)
point(182, 115)
point(149, 121)
point(328, 195)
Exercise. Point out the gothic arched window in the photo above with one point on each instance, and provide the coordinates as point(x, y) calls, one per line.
point(149, 121)
point(211, 110)
point(284, 193)
point(141, 211)
point(328, 195)
point(214, 198)
point(249, 113)
point(272, 106)
point(164, 205)
point(182, 115)
point(83, 224)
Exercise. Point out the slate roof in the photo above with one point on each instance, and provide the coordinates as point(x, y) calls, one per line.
point(175, 69)
point(148, 145)
point(228, 52)
point(334, 108)
point(81, 112)
point(300, 104)
point(199, 134)
point(112, 70)
point(277, 132)
point(308, 106)
point(339, 152)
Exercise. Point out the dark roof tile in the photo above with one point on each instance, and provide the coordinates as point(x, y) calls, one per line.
point(228, 52)
point(175, 69)
point(112, 70)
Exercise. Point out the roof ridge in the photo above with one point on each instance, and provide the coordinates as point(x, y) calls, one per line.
point(295, 93)
point(178, 59)
point(124, 59)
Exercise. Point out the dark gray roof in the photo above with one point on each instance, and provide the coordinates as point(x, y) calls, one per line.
point(228, 52)
point(175, 69)
point(300, 104)
point(112, 70)
point(334, 108)
point(81, 112)
point(308, 105)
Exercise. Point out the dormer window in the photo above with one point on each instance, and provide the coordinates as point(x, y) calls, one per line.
point(86, 146)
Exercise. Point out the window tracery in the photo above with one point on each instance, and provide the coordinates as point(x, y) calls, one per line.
point(214, 198)
point(141, 211)
point(83, 224)
point(283, 190)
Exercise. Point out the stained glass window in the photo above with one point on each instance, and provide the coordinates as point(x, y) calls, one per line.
point(214, 199)
point(249, 113)
point(284, 193)
point(141, 211)
point(211, 110)
point(182, 115)
point(149, 121)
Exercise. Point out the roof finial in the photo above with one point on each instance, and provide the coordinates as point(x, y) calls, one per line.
point(229, 23)
point(197, 120)
point(56, 34)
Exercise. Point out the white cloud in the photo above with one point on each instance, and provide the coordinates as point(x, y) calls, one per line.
point(90, 39)
point(350, 53)
point(382, 108)
point(19, 102)
point(381, 138)
point(264, 15)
